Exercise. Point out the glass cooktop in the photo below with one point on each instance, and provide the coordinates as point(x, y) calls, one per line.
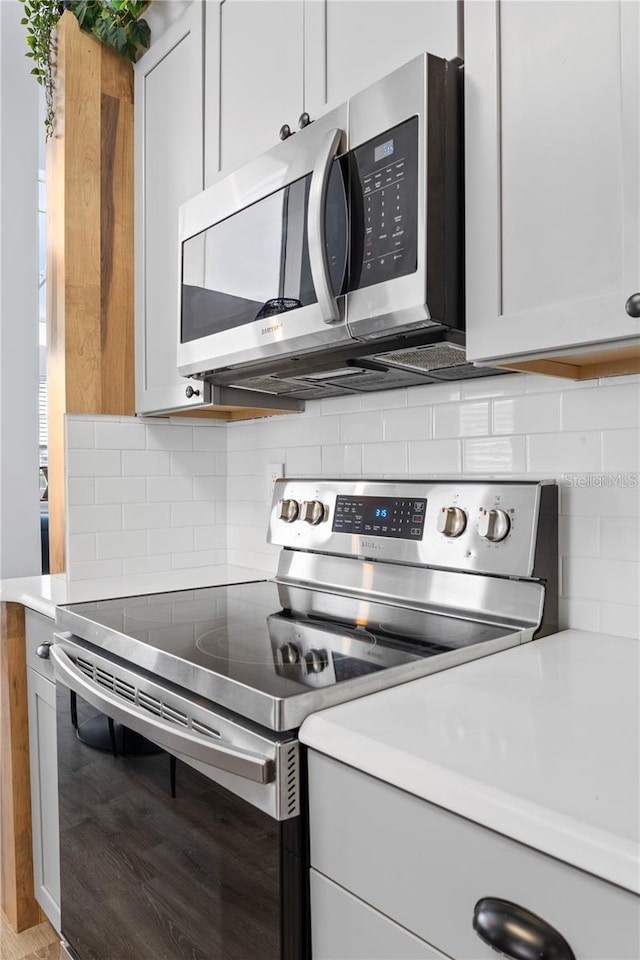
point(241, 646)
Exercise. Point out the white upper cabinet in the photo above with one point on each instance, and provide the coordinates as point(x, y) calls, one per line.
point(169, 170)
point(552, 176)
point(350, 44)
point(255, 77)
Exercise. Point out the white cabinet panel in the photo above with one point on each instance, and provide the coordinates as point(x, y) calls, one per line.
point(169, 170)
point(41, 694)
point(553, 174)
point(426, 869)
point(350, 44)
point(345, 928)
point(260, 75)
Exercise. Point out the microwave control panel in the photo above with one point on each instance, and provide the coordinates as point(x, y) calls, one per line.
point(386, 174)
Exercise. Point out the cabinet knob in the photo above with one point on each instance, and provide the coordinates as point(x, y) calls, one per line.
point(43, 650)
point(632, 306)
point(517, 933)
point(304, 120)
point(190, 392)
point(285, 131)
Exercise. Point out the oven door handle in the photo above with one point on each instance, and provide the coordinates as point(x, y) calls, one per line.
point(242, 763)
point(317, 230)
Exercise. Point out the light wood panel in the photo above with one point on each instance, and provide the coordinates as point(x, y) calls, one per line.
point(583, 366)
point(16, 900)
point(90, 248)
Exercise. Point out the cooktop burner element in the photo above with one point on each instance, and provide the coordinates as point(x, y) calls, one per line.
point(378, 583)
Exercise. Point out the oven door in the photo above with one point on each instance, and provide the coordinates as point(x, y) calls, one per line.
point(263, 255)
point(161, 859)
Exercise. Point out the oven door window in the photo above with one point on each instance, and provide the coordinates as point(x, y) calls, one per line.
point(149, 876)
point(255, 264)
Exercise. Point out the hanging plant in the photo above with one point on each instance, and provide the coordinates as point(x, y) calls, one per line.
point(113, 22)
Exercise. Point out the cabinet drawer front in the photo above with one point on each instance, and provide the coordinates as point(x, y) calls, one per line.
point(38, 630)
point(345, 928)
point(427, 868)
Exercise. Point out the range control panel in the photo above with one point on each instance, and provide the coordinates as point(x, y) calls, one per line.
point(482, 527)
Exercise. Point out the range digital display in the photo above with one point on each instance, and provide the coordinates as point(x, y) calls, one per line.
point(399, 518)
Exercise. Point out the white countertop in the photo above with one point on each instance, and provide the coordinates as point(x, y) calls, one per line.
point(540, 743)
point(44, 594)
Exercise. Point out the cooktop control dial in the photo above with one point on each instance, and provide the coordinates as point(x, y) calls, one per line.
point(289, 510)
point(452, 521)
point(290, 653)
point(316, 660)
point(313, 511)
point(494, 525)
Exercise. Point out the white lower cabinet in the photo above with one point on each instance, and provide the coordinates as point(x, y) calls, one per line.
point(41, 692)
point(345, 928)
point(424, 869)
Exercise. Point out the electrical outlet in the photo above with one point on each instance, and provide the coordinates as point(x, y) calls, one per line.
point(273, 472)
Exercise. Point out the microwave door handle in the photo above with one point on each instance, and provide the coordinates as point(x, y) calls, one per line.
point(316, 228)
point(249, 766)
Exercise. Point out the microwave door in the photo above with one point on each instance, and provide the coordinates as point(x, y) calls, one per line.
point(264, 257)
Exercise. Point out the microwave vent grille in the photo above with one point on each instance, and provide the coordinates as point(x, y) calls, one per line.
point(426, 358)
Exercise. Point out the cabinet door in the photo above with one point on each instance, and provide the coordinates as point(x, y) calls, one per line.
point(552, 174)
point(350, 44)
point(345, 928)
point(44, 794)
point(169, 170)
point(254, 77)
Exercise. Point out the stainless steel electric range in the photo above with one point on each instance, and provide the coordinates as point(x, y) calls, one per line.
point(183, 829)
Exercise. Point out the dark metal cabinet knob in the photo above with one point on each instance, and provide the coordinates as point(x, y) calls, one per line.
point(304, 120)
point(632, 306)
point(285, 131)
point(190, 392)
point(517, 933)
point(43, 650)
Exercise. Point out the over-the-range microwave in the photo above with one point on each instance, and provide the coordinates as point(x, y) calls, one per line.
point(333, 263)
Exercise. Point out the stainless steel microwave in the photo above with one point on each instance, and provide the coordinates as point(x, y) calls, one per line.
point(333, 262)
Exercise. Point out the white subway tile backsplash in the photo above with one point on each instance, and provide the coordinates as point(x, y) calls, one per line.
point(361, 427)
point(93, 569)
point(210, 437)
point(80, 434)
point(113, 546)
point(113, 435)
point(145, 463)
point(595, 578)
point(340, 460)
point(388, 400)
point(199, 558)
point(579, 536)
point(621, 450)
point(303, 462)
point(209, 488)
point(157, 564)
point(94, 518)
point(527, 414)
point(414, 423)
point(82, 546)
point(598, 409)
point(210, 538)
point(185, 514)
point(620, 539)
point(120, 490)
point(469, 419)
point(433, 393)
point(146, 516)
point(620, 619)
point(503, 385)
point(169, 540)
point(494, 456)
point(319, 431)
point(384, 458)
point(579, 614)
point(167, 437)
point(186, 464)
point(169, 489)
point(435, 457)
point(555, 453)
point(94, 463)
point(598, 495)
point(81, 490)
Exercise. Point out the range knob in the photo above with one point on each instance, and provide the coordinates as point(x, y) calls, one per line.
point(316, 661)
point(290, 653)
point(452, 521)
point(289, 510)
point(313, 511)
point(494, 525)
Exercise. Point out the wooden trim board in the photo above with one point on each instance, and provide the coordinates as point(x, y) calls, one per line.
point(17, 899)
point(588, 365)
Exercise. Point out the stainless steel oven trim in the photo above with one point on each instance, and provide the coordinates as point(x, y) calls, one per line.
point(279, 796)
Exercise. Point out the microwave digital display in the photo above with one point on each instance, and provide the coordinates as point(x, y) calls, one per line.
point(384, 150)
